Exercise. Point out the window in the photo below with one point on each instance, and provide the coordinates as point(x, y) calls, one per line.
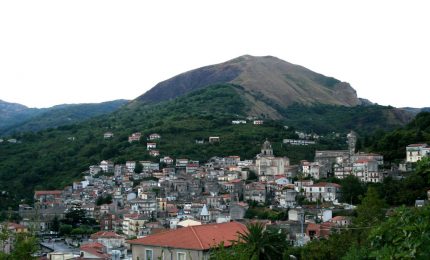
point(148, 254)
point(181, 256)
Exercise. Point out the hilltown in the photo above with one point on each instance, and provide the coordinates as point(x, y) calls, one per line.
point(180, 208)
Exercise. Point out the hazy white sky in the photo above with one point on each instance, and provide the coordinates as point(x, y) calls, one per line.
point(54, 52)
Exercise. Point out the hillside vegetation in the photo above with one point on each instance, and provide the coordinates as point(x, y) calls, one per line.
point(18, 118)
point(392, 144)
point(53, 158)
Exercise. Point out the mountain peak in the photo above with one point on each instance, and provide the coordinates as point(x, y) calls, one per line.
point(267, 77)
point(250, 58)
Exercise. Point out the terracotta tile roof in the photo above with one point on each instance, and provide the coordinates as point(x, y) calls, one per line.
point(48, 192)
point(105, 234)
point(95, 249)
point(96, 245)
point(95, 252)
point(362, 161)
point(16, 226)
point(195, 237)
point(321, 230)
point(339, 218)
point(235, 181)
point(326, 184)
point(417, 145)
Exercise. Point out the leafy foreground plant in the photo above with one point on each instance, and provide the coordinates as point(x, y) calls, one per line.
point(255, 243)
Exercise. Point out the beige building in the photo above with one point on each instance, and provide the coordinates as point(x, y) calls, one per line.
point(133, 224)
point(267, 165)
point(187, 243)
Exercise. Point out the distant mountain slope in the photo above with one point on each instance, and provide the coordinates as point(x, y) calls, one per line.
point(414, 110)
point(12, 113)
point(393, 144)
point(279, 81)
point(19, 118)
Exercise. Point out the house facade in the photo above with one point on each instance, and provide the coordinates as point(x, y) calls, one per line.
point(323, 191)
point(415, 152)
point(192, 242)
point(134, 137)
point(154, 136)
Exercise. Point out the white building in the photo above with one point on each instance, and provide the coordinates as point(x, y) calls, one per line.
point(367, 171)
point(107, 135)
point(154, 136)
point(109, 239)
point(286, 198)
point(130, 165)
point(238, 122)
point(415, 152)
point(107, 166)
point(323, 191)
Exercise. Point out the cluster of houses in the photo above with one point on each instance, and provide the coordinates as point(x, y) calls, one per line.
point(341, 163)
point(171, 199)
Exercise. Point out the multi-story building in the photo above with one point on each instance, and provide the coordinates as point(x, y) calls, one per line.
point(323, 191)
point(415, 152)
point(267, 165)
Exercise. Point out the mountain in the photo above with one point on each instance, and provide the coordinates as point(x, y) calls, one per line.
point(278, 81)
point(184, 112)
point(392, 144)
point(415, 110)
point(270, 88)
point(12, 113)
point(19, 118)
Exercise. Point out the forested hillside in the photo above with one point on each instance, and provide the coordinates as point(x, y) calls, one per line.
point(392, 144)
point(19, 118)
point(53, 158)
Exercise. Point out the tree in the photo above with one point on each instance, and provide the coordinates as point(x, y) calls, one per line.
point(351, 189)
point(25, 246)
point(55, 224)
point(423, 169)
point(77, 217)
point(252, 176)
point(104, 200)
point(138, 168)
point(332, 248)
point(220, 252)
point(371, 211)
point(65, 229)
point(4, 235)
point(406, 234)
point(260, 243)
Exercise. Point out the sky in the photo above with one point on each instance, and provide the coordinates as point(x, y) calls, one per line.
point(56, 52)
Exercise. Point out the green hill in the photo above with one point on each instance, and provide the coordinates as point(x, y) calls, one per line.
point(19, 118)
point(53, 158)
point(392, 144)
